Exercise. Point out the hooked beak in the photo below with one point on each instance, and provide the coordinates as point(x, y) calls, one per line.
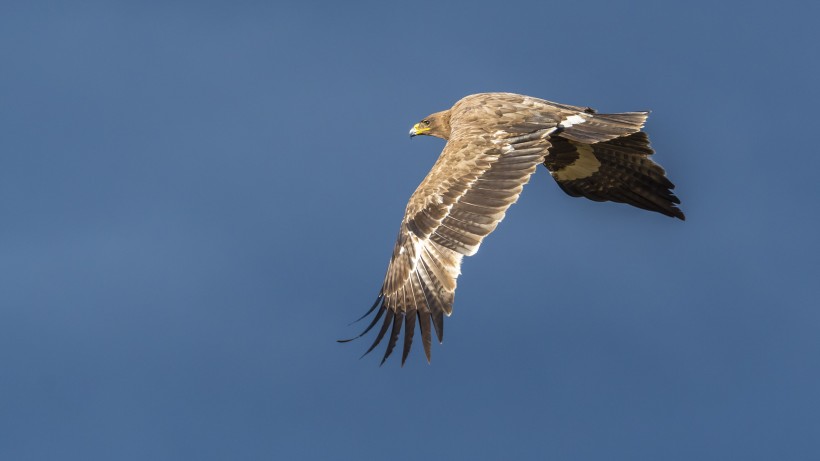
point(418, 129)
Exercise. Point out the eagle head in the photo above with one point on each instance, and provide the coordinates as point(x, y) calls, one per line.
point(437, 125)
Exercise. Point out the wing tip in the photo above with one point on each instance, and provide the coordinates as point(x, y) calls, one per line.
point(429, 325)
point(372, 308)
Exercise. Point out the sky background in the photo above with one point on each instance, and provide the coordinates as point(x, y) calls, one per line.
point(198, 197)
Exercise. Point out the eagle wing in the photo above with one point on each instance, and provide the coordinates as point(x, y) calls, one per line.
point(466, 194)
point(607, 158)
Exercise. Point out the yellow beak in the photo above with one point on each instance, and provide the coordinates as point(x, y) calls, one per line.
point(418, 129)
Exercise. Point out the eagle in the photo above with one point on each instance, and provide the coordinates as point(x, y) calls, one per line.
point(495, 142)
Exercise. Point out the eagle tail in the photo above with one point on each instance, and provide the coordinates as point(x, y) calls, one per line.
point(604, 127)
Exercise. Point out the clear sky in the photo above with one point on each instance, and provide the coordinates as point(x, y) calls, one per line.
point(198, 197)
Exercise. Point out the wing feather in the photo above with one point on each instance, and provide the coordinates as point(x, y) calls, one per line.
point(605, 127)
point(398, 319)
point(460, 202)
point(617, 170)
point(426, 338)
point(387, 320)
point(409, 327)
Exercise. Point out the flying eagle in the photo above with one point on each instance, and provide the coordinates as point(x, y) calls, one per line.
point(495, 142)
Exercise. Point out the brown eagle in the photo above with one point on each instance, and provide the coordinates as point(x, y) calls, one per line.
point(495, 142)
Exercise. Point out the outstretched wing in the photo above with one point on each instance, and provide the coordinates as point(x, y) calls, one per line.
point(607, 158)
point(462, 199)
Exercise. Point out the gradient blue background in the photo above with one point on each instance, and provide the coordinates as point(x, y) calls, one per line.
point(197, 197)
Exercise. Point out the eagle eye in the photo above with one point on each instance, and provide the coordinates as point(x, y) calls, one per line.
point(426, 122)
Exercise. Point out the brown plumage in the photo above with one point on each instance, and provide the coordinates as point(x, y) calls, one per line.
point(495, 141)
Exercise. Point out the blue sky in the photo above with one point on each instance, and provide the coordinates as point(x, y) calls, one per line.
point(198, 197)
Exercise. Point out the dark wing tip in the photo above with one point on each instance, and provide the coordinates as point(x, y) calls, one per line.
point(372, 308)
point(424, 326)
point(410, 319)
point(409, 327)
point(387, 321)
point(438, 324)
point(372, 324)
point(398, 319)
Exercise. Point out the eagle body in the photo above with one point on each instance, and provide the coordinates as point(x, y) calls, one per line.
point(495, 142)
